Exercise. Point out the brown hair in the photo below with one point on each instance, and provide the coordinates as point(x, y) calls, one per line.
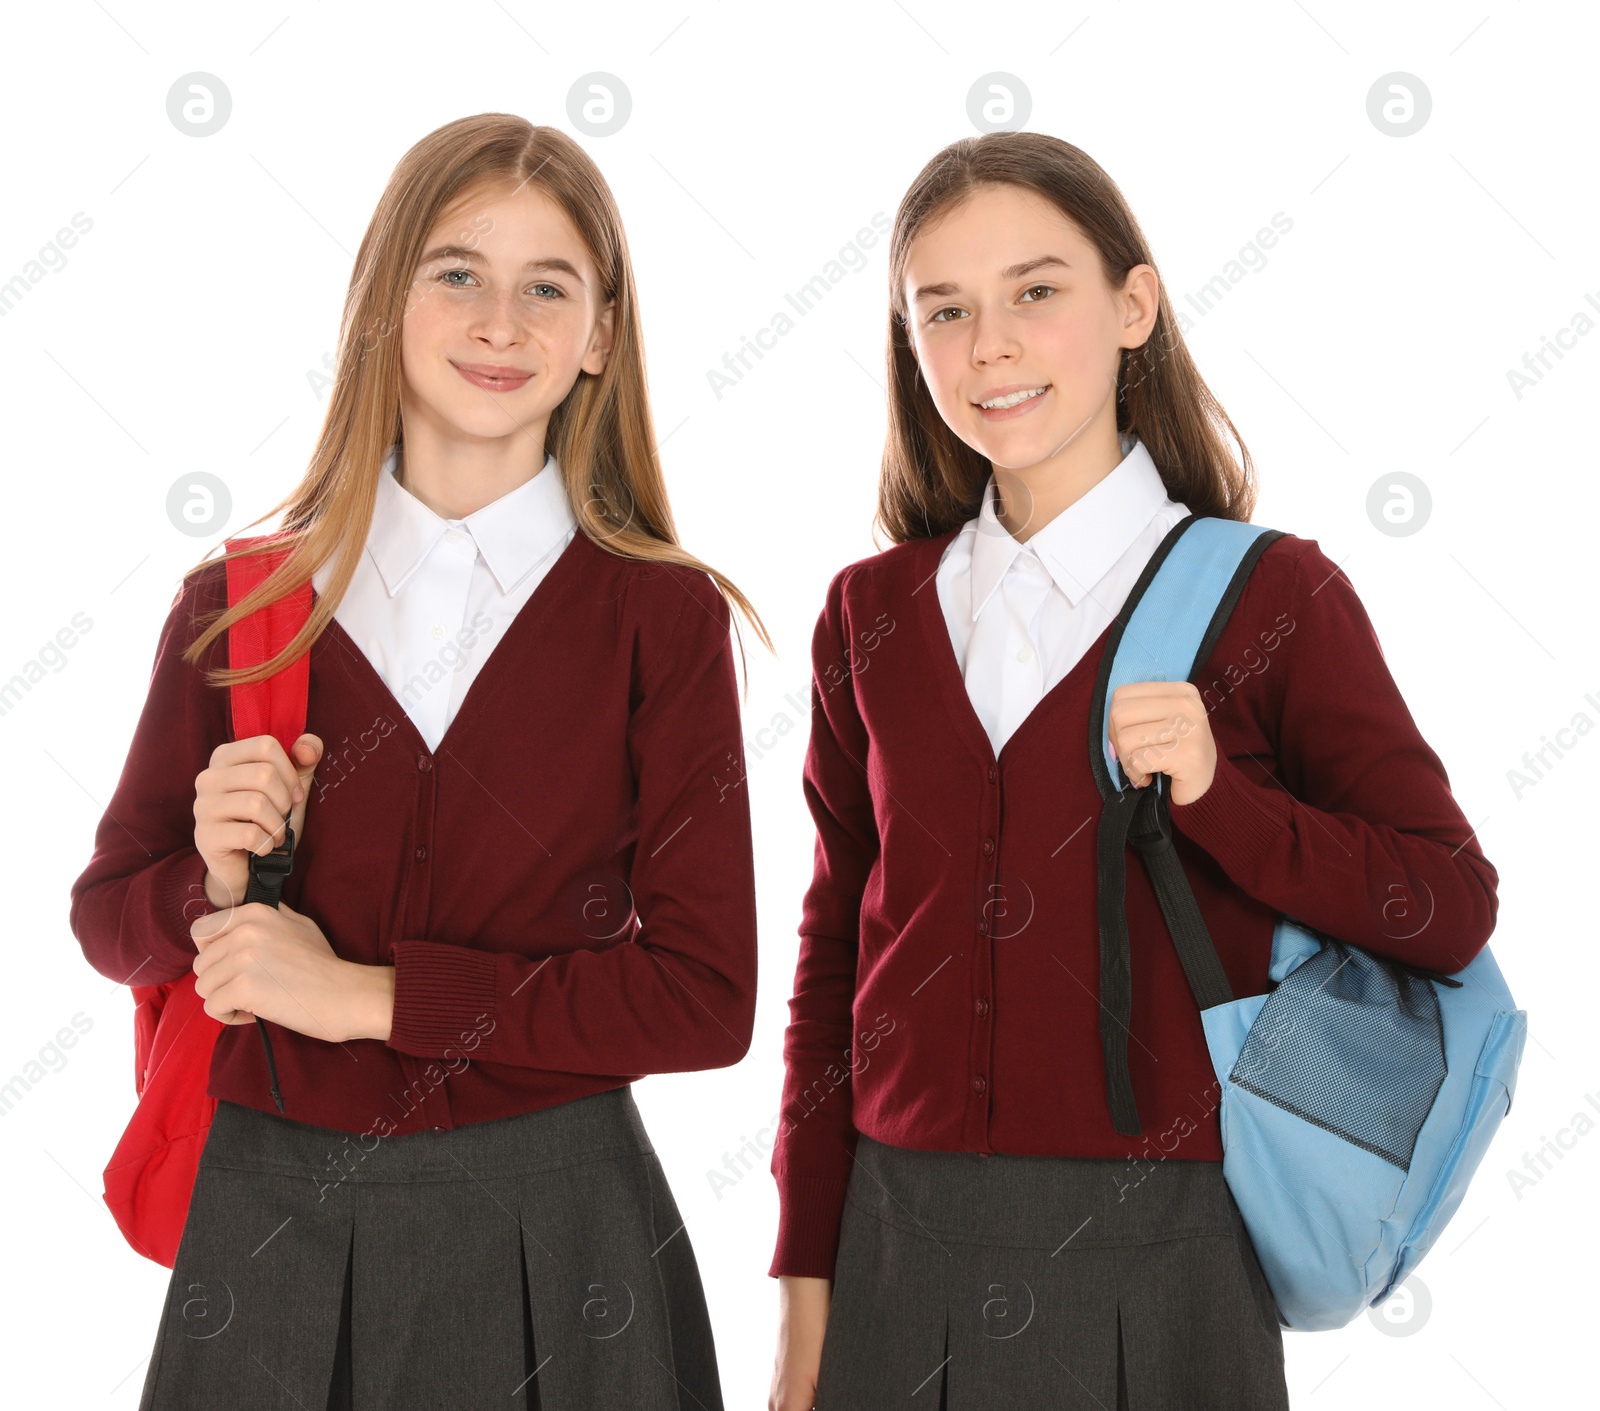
point(601, 435)
point(931, 481)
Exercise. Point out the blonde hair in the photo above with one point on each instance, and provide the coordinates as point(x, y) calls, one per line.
point(601, 435)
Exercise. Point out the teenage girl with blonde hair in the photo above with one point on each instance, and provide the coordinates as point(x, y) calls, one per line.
point(524, 880)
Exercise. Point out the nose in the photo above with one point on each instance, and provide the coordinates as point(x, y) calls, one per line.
point(498, 319)
point(994, 338)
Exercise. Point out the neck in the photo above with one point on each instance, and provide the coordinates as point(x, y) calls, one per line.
point(1031, 496)
point(455, 476)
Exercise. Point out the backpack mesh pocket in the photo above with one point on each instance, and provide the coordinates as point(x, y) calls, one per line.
point(1353, 1044)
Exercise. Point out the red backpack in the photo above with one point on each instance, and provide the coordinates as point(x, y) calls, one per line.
point(151, 1173)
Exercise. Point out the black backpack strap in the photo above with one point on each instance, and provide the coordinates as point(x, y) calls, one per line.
point(267, 874)
point(1140, 817)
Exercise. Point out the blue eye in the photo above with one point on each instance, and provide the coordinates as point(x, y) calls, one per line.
point(444, 278)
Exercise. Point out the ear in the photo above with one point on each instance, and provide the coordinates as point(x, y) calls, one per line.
point(594, 361)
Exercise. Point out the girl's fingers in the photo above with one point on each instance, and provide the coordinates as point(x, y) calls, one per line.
point(256, 763)
point(258, 833)
point(273, 781)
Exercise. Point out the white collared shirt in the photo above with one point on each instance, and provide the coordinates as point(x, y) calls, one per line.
point(431, 597)
point(1022, 615)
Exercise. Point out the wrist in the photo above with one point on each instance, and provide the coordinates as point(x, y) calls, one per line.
point(374, 1007)
point(216, 892)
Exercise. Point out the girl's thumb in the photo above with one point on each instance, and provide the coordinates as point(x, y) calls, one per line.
point(307, 745)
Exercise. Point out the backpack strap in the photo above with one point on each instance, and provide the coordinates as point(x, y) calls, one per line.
point(275, 705)
point(1166, 630)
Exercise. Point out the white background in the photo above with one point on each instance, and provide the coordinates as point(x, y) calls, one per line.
point(183, 330)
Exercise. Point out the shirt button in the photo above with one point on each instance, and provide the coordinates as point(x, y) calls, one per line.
point(982, 1007)
point(424, 764)
point(1026, 654)
point(988, 847)
point(454, 536)
point(421, 854)
point(436, 631)
point(979, 1084)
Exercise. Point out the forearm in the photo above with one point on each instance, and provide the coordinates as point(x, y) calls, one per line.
point(637, 1007)
point(134, 927)
point(1427, 901)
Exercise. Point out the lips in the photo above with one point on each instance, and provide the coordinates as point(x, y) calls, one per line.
point(1025, 406)
point(492, 377)
point(1016, 393)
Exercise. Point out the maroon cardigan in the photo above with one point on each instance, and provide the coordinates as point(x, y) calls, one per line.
point(565, 887)
point(945, 997)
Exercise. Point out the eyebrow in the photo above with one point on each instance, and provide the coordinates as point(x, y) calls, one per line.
point(941, 291)
point(461, 252)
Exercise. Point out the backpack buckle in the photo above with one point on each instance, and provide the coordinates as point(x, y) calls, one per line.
point(268, 871)
point(1151, 828)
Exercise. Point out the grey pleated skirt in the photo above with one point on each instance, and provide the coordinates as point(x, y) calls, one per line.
point(533, 1261)
point(967, 1282)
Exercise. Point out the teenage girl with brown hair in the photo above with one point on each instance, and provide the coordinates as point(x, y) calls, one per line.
point(962, 1226)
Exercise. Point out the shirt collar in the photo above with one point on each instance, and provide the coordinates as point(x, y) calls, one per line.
point(512, 533)
point(1079, 546)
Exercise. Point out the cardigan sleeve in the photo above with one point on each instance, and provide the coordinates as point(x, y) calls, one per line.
point(132, 906)
point(1362, 838)
point(814, 1152)
point(680, 995)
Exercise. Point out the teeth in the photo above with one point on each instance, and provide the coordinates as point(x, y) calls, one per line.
point(1012, 400)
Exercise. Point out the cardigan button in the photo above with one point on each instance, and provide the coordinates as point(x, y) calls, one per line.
point(983, 928)
point(994, 774)
point(988, 847)
point(979, 1083)
point(982, 1007)
point(421, 854)
point(424, 763)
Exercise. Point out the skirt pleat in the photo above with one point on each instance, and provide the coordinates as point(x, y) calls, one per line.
point(965, 1282)
point(533, 1261)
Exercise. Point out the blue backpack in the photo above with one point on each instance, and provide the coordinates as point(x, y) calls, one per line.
point(1359, 1095)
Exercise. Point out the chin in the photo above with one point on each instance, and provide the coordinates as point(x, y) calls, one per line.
point(1012, 456)
point(487, 422)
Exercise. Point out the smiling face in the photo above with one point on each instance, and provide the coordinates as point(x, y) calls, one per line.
point(504, 313)
point(1015, 330)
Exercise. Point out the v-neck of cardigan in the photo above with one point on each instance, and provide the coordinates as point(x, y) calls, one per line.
point(953, 685)
point(537, 607)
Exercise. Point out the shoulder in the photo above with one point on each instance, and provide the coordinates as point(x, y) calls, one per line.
point(661, 600)
point(206, 583)
point(891, 574)
point(201, 597)
point(1294, 569)
point(1297, 589)
point(1286, 569)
